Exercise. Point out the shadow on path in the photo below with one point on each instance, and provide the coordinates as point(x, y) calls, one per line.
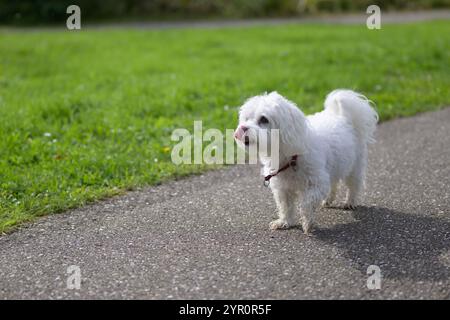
point(402, 245)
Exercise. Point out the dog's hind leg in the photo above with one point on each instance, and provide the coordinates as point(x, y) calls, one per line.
point(355, 184)
point(331, 196)
point(286, 209)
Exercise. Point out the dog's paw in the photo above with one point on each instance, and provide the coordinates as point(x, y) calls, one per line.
point(326, 203)
point(307, 227)
point(350, 206)
point(279, 225)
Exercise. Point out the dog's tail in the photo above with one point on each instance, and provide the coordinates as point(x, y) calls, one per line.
point(357, 108)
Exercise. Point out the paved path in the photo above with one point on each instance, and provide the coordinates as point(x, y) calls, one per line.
point(352, 18)
point(208, 237)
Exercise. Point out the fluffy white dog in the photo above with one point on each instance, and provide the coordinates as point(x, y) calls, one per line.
point(315, 152)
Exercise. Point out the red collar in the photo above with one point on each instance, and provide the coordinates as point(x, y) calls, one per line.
point(292, 163)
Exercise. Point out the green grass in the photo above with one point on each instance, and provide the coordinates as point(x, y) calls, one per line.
point(84, 115)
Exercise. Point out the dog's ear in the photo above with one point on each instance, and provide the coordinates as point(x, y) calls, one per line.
point(293, 126)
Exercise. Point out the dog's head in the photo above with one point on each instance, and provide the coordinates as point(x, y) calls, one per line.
point(260, 115)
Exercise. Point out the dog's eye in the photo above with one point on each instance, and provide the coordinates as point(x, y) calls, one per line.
point(263, 120)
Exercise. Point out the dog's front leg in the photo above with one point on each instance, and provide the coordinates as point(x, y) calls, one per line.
point(312, 199)
point(286, 205)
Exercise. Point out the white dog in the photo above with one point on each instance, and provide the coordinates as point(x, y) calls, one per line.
point(315, 152)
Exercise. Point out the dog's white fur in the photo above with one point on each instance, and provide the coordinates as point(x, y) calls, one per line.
point(331, 146)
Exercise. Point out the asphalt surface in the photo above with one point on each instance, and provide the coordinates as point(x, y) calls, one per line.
point(349, 18)
point(207, 236)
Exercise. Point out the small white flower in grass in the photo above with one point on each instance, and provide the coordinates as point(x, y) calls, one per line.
point(226, 108)
point(47, 134)
point(155, 160)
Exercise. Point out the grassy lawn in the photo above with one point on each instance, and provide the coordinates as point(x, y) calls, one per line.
point(84, 115)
